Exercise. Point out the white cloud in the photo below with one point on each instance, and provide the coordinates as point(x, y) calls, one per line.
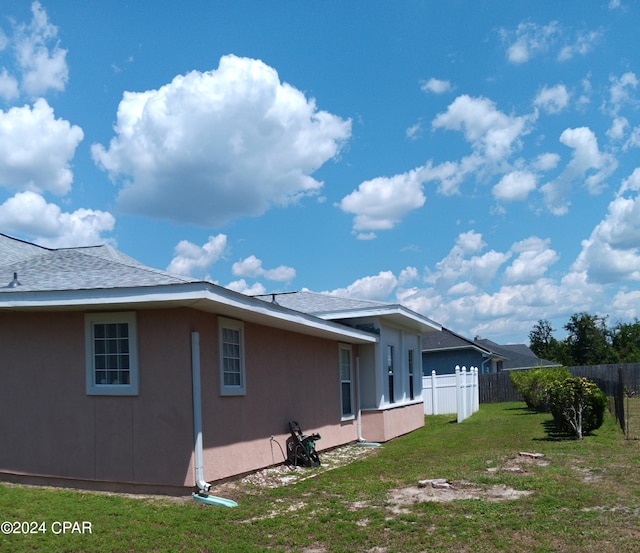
point(553, 99)
point(618, 128)
point(414, 131)
point(612, 252)
point(530, 39)
point(376, 288)
point(546, 162)
point(436, 86)
point(210, 147)
point(492, 133)
point(241, 286)
point(533, 259)
point(41, 61)
point(190, 258)
point(381, 203)
point(252, 267)
point(36, 149)
point(8, 86)
point(620, 91)
point(588, 164)
point(583, 43)
point(515, 186)
point(29, 213)
point(459, 266)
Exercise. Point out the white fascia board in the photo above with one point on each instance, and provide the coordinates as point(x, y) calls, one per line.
point(199, 295)
point(424, 323)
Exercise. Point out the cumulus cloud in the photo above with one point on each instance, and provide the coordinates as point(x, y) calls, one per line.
point(492, 133)
point(515, 186)
point(436, 86)
point(611, 253)
point(552, 99)
point(534, 256)
point(189, 258)
point(588, 164)
point(40, 61)
point(376, 288)
point(620, 91)
point(36, 149)
point(241, 286)
point(252, 267)
point(381, 203)
point(210, 147)
point(29, 213)
point(460, 266)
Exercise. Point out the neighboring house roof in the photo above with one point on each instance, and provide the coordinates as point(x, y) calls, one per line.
point(332, 307)
point(448, 340)
point(518, 356)
point(101, 276)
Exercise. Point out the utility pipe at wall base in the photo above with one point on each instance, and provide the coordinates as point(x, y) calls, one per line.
point(203, 486)
point(361, 441)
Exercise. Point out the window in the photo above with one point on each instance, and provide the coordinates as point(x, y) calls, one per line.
point(392, 398)
point(232, 377)
point(411, 373)
point(346, 381)
point(111, 354)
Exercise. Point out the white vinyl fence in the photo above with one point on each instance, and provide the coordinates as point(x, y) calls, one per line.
point(451, 393)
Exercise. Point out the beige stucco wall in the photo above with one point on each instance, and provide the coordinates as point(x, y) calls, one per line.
point(384, 425)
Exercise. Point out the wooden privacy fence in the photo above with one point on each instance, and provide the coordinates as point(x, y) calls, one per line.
point(451, 393)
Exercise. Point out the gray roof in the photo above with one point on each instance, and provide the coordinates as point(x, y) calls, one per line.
point(447, 339)
point(519, 356)
point(85, 268)
point(348, 310)
point(313, 302)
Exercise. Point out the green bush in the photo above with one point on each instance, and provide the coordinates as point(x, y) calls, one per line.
point(577, 405)
point(534, 384)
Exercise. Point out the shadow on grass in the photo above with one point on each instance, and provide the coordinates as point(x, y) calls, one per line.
point(554, 434)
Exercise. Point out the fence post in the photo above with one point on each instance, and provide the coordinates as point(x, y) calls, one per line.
point(434, 394)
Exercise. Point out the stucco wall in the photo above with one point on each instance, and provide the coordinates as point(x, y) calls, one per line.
point(381, 426)
point(50, 426)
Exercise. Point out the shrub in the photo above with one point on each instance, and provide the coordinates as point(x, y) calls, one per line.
point(577, 405)
point(534, 384)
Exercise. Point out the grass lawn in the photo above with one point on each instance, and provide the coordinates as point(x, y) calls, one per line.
point(581, 496)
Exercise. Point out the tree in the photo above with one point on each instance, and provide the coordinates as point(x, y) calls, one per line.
point(545, 346)
point(589, 339)
point(626, 341)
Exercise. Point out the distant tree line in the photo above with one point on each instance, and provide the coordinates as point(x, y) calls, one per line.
point(589, 341)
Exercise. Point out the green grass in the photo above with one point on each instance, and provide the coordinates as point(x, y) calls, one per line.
point(587, 499)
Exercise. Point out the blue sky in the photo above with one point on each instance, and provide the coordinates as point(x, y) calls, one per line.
point(476, 161)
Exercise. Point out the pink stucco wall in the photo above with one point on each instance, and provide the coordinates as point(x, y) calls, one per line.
point(50, 426)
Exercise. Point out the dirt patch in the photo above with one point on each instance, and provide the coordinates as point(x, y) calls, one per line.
point(439, 490)
point(521, 463)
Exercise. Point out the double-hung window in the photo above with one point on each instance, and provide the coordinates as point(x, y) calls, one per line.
point(232, 373)
point(111, 354)
point(346, 381)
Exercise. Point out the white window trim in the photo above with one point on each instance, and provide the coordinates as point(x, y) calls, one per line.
point(348, 348)
point(226, 390)
point(93, 389)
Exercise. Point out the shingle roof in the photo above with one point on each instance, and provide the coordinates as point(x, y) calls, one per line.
point(313, 302)
point(97, 267)
point(519, 356)
point(448, 339)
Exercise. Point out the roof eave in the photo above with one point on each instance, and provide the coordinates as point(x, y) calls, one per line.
point(203, 296)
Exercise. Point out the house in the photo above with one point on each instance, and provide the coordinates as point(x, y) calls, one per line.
point(116, 375)
point(516, 356)
point(443, 351)
point(390, 370)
